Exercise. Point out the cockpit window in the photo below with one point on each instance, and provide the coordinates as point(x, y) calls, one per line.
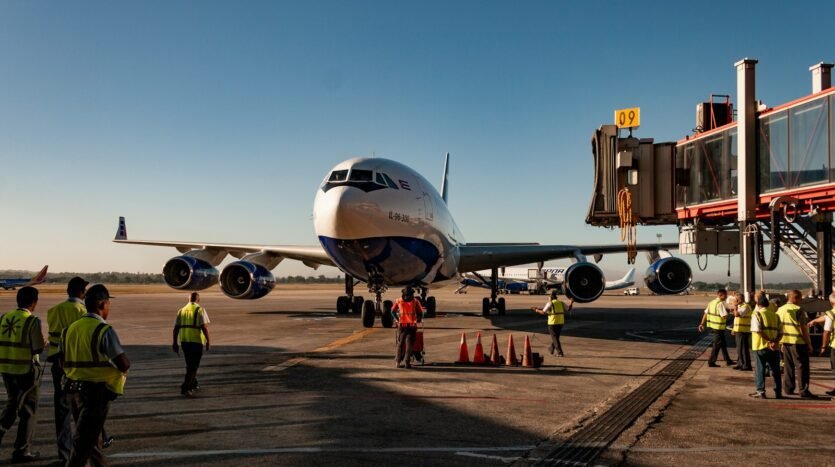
point(358, 175)
point(338, 176)
point(380, 179)
point(390, 182)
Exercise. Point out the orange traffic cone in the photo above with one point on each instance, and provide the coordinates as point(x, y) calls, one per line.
point(527, 358)
point(478, 354)
point(463, 352)
point(495, 358)
point(511, 352)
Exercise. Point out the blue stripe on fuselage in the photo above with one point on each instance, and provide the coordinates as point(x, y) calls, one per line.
point(397, 260)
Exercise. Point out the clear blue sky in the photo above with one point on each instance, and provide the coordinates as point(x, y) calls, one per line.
point(217, 120)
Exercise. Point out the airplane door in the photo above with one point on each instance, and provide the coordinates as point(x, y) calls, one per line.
point(428, 205)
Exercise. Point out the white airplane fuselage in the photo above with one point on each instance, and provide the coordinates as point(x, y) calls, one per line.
point(382, 222)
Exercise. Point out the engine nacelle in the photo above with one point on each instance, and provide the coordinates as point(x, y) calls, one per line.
point(246, 281)
point(668, 276)
point(188, 273)
point(584, 282)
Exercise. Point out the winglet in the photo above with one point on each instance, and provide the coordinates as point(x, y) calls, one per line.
point(39, 277)
point(122, 231)
point(445, 182)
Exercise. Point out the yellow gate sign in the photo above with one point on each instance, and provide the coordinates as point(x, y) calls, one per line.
point(628, 118)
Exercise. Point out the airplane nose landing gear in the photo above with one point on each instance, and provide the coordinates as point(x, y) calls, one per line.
point(371, 308)
point(429, 305)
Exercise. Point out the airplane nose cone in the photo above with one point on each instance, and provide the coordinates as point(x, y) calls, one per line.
point(345, 213)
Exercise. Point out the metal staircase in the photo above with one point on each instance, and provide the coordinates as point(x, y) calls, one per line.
point(797, 241)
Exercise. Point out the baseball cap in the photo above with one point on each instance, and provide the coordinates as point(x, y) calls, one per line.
point(76, 284)
point(95, 295)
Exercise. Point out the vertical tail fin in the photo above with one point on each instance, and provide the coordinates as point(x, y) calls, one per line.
point(39, 277)
point(445, 181)
point(122, 231)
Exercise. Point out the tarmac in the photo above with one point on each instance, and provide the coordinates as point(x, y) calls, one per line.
point(289, 382)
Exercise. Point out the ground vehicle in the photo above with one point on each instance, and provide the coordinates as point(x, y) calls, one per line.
point(632, 291)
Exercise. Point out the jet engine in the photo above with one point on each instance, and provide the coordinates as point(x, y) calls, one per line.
point(668, 276)
point(246, 281)
point(584, 282)
point(188, 273)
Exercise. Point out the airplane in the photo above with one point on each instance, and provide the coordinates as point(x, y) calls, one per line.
point(383, 224)
point(533, 280)
point(39, 278)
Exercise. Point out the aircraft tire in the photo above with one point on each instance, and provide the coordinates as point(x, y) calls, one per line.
point(356, 307)
point(501, 307)
point(485, 307)
point(386, 319)
point(342, 305)
point(430, 307)
point(369, 313)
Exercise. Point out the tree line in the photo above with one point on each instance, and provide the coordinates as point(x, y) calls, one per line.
point(784, 286)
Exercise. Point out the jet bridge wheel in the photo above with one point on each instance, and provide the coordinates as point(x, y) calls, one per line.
point(369, 313)
point(501, 306)
point(343, 304)
point(430, 307)
point(356, 306)
point(485, 307)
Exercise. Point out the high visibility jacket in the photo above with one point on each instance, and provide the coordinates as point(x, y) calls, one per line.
point(556, 315)
point(83, 360)
point(188, 319)
point(15, 343)
point(788, 314)
point(714, 319)
point(769, 324)
point(831, 315)
point(59, 318)
point(408, 311)
point(743, 323)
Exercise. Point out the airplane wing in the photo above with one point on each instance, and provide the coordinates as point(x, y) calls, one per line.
point(475, 257)
point(312, 256)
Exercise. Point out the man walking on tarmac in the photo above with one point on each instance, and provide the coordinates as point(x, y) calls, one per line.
point(766, 332)
point(191, 329)
point(407, 311)
point(555, 310)
point(59, 318)
point(796, 346)
point(95, 365)
point(742, 332)
point(828, 340)
point(20, 343)
point(716, 316)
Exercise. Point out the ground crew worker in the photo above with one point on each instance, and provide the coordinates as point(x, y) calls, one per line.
point(742, 332)
point(407, 311)
point(59, 318)
point(191, 329)
point(766, 332)
point(555, 310)
point(95, 365)
point(828, 338)
point(716, 316)
point(20, 343)
point(796, 346)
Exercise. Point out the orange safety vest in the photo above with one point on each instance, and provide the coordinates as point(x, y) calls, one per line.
point(408, 311)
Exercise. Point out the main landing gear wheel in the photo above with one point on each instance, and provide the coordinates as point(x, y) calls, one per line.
point(430, 307)
point(343, 304)
point(485, 307)
point(356, 306)
point(501, 306)
point(369, 312)
point(386, 319)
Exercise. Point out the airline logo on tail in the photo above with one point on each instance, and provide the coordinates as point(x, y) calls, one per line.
point(39, 277)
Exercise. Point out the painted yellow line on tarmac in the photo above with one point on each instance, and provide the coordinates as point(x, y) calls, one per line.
point(327, 348)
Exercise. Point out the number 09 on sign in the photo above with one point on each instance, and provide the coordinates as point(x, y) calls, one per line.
point(628, 118)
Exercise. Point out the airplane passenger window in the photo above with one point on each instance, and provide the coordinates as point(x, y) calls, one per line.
point(390, 182)
point(358, 175)
point(338, 176)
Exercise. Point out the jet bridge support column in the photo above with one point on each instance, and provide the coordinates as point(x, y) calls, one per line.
point(747, 169)
point(824, 241)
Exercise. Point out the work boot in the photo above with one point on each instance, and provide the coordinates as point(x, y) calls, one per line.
point(807, 395)
point(24, 456)
point(830, 393)
point(712, 365)
point(757, 395)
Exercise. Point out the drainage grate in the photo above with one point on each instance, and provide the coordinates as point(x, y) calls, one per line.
point(588, 443)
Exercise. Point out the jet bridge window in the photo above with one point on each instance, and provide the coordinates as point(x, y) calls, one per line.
point(358, 175)
point(338, 176)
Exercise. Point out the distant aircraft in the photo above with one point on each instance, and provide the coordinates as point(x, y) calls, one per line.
point(521, 279)
point(39, 278)
point(382, 223)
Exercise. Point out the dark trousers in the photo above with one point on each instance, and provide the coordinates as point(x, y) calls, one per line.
point(405, 338)
point(63, 415)
point(771, 359)
point(796, 368)
point(555, 330)
point(193, 353)
point(719, 344)
point(89, 408)
point(743, 350)
point(832, 359)
point(22, 392)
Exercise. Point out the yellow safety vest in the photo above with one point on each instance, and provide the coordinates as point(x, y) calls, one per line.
point(189, 330)
point(831, 315)
point(15, 344)
point(743, 323)
point(714, 319)
point(83, 360)
point(59, 318)
point(791, 326)
point(556, 315)
point(769, 324)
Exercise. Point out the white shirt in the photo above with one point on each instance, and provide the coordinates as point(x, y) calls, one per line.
point(755, 322)
point(827, 325)
point(720, 308)
point(743, 310)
